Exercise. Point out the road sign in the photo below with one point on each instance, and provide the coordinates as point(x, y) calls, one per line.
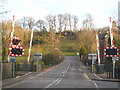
point(115, 58)
point(12, 60)
point(37, 56)
point(111, 51)
point(92, 56)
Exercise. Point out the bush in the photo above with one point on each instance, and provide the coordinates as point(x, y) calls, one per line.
point(53, 57)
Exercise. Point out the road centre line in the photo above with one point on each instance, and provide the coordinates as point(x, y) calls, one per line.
point(52, 83)
point(59, 79)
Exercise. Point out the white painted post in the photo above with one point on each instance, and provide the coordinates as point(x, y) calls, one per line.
point(12, 31)
point(112, 44)
point(98, 51)
point(30, 47)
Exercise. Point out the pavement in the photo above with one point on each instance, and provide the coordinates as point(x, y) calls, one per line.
point(97, 77)
point(10, 81)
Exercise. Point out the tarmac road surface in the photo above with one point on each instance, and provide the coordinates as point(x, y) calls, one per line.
point(68, 74)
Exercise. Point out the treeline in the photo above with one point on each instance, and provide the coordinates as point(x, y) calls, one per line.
point(58, 22)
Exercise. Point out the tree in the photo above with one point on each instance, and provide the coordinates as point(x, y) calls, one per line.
point(75, 23)
point(53, 40)
point(87, 39)
point(82, 51)
point(22, 22)
point(88, 22)
point(40, 24)
point(30, 22)
point(60, 22)
point(51, 19)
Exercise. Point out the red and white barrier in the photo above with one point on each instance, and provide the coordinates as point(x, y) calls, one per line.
point(97, 41)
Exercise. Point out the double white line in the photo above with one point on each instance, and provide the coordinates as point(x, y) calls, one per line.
point(57, 81)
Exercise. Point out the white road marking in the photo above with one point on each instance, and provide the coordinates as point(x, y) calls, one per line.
point(98, 76)
point(52, 83)
point(95, 84)
point(23, 75)
point(85, 75)
point(18, 77)
point(59, 79)
point(28, 73)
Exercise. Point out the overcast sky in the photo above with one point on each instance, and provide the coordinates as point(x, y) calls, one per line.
point(101, 10)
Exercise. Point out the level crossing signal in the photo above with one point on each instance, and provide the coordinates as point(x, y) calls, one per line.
point(15, 41)
point(111, 51)
point(15, 49)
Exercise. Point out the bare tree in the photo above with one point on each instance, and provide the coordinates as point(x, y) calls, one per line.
point(70, 22)
point(22, 22)
point(75, 23)
point(40, 24)
point(60, 21)
point(88, 22)
point(66, 21)
point(51, 19)
point(30, 22)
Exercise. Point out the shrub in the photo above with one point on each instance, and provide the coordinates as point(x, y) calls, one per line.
point(53, 57)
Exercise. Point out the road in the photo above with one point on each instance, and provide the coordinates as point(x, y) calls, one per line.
point(68, 74)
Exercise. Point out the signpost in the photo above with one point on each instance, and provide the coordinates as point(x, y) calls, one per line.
point(12, 59)
point(37, 56)
point(93, 57)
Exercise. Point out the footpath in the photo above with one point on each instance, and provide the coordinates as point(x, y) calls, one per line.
point(10, 81)
point(93, 76)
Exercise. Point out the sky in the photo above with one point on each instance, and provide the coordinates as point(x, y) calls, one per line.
point(101, 10)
